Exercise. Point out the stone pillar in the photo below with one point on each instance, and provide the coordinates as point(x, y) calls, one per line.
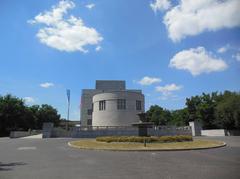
point(196, 128)
point(47, 129)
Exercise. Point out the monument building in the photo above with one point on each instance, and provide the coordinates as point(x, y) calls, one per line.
point(111, 104)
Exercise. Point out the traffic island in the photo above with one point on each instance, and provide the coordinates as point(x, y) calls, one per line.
point(144, 144)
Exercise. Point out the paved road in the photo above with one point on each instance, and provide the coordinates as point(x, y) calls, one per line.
point(53, 158)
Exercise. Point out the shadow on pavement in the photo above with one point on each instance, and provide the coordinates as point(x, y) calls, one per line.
point(9, 166)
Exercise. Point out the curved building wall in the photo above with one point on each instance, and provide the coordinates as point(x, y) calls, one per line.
point(112, 116)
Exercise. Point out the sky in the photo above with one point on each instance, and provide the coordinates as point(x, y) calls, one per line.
point(170, 50)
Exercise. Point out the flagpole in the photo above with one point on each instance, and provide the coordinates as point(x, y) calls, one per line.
point(68, 115)
point(68, 97)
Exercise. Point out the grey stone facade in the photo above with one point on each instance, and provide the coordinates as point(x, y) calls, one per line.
point(120, 108)
point(105, 87)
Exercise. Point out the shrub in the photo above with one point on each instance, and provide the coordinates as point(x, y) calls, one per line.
point(178, 138)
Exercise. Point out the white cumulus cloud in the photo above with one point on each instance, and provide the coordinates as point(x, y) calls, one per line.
point(224, 49)
point(149, 80)
point(29, 99)
point(98, 48)
point(65, 34)
point(237, 56)
point(46, 85)
point(168, 89)
point(197, 61)
point(90, 6)
point(160, 5)
point(192, 17)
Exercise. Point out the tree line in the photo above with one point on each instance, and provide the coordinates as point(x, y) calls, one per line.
point(16, 115)
point(213, 111)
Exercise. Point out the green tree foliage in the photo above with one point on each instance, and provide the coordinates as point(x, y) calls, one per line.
point(192, 107)
point(47, 113)
point(16, 115)
point(202, 108)
point(180, 117)
point(215, 110)
point(228, 111)
point(158, 115)
point(12, 112)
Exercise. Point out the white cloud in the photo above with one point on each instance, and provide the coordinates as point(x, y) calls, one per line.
point(168, 89)
point(197, 61)
point(172, 97)
point(29, 99)
point(159, 5)
point(65, 34)
point(192, 17)
point(46, 85)
point(224, 49)
point(149, 80)
point(98, 48)
point(90, 6)
point(237, 56)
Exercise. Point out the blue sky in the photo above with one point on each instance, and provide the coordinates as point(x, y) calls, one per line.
point(169, 49)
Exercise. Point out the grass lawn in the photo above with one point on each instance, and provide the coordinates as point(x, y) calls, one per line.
point(130, 146)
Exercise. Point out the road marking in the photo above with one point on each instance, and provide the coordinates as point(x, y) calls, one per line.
point(27, 148)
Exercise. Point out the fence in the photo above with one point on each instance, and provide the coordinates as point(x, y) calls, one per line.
point(169, 130)
point(95, 131)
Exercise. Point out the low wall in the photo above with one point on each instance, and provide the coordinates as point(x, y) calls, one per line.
point(232, 132)
point(92, 132)
point(59, 132)
point(213, 132)
point(17, 134)
point(220, 132)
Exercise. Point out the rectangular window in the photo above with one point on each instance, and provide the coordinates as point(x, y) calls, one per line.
point(121, 104)
point(89, 122)
point(102, 105)
point(89, 111)
point(138, 105)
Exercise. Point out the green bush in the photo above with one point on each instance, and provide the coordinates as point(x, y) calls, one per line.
point(177, 138)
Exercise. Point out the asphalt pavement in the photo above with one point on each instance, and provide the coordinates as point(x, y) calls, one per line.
point(54, 159)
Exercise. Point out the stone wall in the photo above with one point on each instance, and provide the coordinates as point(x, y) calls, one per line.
point(92, 132)
point(198, 131)
point(213, 132)
point(18, 134)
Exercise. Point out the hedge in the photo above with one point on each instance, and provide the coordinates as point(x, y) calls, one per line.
point(177, 138)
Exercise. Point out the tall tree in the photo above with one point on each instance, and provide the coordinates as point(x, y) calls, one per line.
point(12, 111)
point(228, 111)
point(15, 115)
point(47, 113)
point(192, 106)
point(180, 117)
point(158, 115)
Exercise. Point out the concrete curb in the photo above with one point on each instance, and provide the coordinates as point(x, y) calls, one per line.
point(147, 150)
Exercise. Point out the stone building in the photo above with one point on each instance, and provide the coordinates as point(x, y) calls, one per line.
point(110, 104)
